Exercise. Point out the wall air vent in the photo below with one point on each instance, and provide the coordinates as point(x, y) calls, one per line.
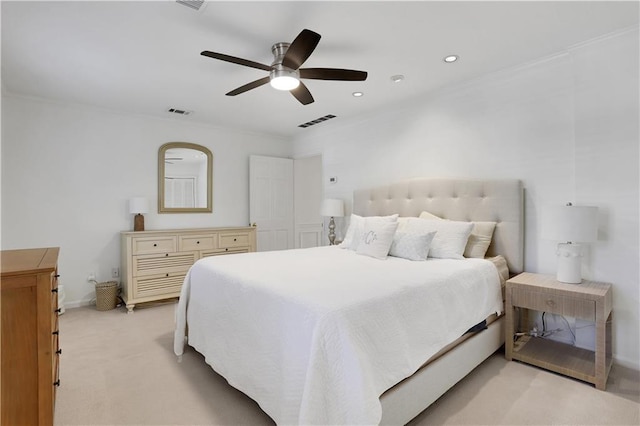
point(193, 4)
point(179, 111)
point(316, 121)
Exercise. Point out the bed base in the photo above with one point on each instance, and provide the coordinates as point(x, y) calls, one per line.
point(410, 397)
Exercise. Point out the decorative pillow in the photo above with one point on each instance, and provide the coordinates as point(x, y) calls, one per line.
point(376, 237)
point(480, 239)
point(411, 245)
point(427, 215)
point(450, 239)
point(356, 223)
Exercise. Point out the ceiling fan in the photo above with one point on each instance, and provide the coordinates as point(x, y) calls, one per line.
point(285, 72)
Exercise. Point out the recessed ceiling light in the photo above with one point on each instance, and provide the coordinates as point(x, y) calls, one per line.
point(397, 78)
point(451, 58)
point(357, 94)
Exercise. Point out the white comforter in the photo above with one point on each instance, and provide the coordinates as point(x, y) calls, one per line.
point(315, 336)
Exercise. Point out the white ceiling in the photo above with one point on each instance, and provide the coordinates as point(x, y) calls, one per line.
point(144, 57)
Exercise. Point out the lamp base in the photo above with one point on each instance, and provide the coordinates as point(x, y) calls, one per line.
point(138, 223)
point(569, 263)
point(332, 232)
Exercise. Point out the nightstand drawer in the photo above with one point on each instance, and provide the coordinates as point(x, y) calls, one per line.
point(562, 305)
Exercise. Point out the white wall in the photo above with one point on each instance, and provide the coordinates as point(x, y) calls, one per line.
point(68, 172)
point(566, 125)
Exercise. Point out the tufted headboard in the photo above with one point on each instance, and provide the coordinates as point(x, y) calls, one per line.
point(499, 201)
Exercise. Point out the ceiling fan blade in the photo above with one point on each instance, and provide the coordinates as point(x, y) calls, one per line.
point(302, 94)
point(249, 86)
point(234, 60)
point(300, 49)
point(333, 74)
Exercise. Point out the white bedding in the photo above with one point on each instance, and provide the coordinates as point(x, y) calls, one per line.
point(315, 336)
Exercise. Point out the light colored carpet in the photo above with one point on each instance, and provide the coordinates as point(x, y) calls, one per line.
point(120, 369)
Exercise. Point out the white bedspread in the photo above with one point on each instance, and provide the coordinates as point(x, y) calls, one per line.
point(315, 336)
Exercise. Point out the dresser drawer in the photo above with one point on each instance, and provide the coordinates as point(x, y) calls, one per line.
point(233, 240)
point(154, 245)
point(153, 264)
point(166, 285)
point(555, 304)
point(197, 242)
point(219, 252)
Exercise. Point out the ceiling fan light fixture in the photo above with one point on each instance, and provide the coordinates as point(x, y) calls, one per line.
point(283, 78)
point(284, 82)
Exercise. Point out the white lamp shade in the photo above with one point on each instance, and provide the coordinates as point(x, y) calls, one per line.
point(138, 205)
point(571, 223)
point(332, 207)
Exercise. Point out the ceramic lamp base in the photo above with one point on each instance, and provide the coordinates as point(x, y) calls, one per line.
point(138, 223)
point(569, 263)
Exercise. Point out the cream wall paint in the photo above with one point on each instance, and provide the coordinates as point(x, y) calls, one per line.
point(566, 125)
point(68, 172)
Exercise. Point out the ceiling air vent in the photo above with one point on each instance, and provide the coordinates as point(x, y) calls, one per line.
point(193, 4)
point(317, 121)
point(179, 111)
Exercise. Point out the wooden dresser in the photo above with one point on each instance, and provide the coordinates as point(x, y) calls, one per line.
point(154, 263)
point(30, 348)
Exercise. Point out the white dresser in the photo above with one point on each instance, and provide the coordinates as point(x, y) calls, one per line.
point(154, 263)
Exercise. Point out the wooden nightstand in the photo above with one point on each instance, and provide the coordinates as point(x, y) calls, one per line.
point(589, 300)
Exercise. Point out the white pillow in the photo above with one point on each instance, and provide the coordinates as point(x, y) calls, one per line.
point(356, 223)
point(376, 237)
point(427, 215)
point(450, 239)
point(479, 240)
point(411, 245)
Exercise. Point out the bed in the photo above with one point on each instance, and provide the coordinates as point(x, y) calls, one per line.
point(327, 335)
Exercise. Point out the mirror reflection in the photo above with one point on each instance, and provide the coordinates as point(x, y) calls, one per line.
point(184, 178)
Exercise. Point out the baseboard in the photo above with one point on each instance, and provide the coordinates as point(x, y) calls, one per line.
point(627, 363)
point(79, 303)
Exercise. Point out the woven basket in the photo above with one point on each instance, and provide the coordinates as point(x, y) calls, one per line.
point(106, 295)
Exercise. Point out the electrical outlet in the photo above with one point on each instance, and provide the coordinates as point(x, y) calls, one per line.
point(91, 277)
point(115, 272)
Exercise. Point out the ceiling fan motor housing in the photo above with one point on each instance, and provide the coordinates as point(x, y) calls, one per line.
point(281, 77)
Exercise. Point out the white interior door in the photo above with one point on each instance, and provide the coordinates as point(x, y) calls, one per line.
point(271, 201)
point(308, 192)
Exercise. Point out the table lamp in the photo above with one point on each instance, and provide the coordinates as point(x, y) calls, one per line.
point(571, 225)
point(332, 207)
point(138, 206)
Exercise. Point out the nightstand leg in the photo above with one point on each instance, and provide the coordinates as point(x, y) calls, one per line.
point(603, 351)
point(508, 339)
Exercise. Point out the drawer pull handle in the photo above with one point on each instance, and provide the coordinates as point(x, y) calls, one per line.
point(235, 239)
point(155, 245)
point(226, 249)
point(550, 302)
point(57, 311)
point(197, 242)
point(57, 275)
point(55, 333)
point(166, 255)
point(56, 383)
point(59, 351)
point(55, 290)
point(167, 275)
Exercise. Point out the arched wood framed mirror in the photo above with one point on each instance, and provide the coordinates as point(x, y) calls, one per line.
point(185, 178)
